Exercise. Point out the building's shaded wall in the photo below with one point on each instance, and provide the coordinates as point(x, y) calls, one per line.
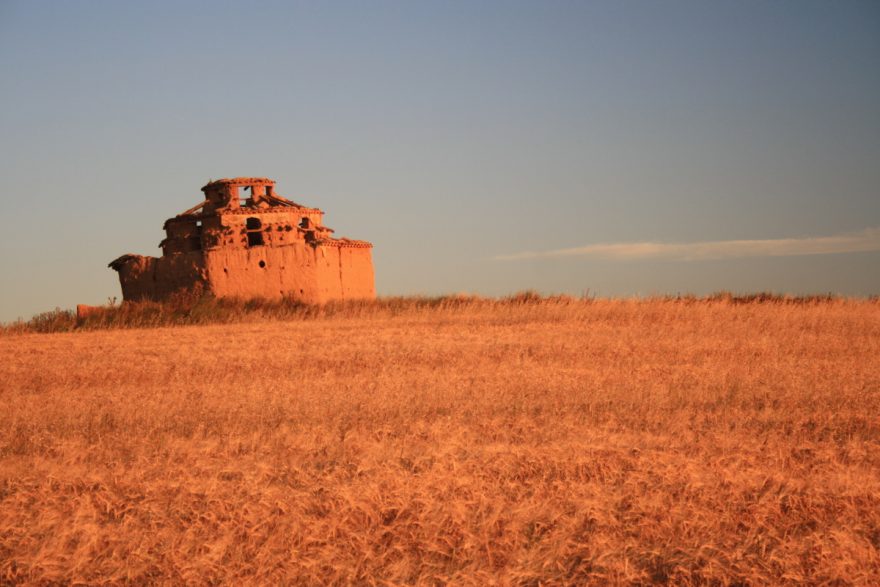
point(182, 237)
point(151, 278)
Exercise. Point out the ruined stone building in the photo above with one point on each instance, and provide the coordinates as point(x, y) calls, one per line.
point(245, 241)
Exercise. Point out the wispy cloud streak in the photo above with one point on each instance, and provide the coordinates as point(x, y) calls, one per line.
point(856, 242)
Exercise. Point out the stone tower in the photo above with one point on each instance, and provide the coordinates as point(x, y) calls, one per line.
point(246, 241)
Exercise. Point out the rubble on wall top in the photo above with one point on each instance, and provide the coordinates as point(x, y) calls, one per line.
point(248, 211)
point(118, 262)
point(240, 181)
point(190, 216)
point(344, 242)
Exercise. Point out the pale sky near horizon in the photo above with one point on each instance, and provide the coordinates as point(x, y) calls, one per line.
point(617, 148)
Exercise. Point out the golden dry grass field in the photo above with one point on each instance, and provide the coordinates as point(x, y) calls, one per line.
point(551, 442)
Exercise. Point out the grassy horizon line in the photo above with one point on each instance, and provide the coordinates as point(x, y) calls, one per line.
point(193, 308)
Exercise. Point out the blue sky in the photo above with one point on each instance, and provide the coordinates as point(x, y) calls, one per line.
point(471, 142)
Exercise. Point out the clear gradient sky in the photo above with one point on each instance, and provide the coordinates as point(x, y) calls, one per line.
point(613, 147)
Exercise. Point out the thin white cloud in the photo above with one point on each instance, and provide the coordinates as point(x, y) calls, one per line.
point(855, 242)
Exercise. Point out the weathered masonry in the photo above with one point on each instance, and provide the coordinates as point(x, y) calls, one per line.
point(246, 241)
